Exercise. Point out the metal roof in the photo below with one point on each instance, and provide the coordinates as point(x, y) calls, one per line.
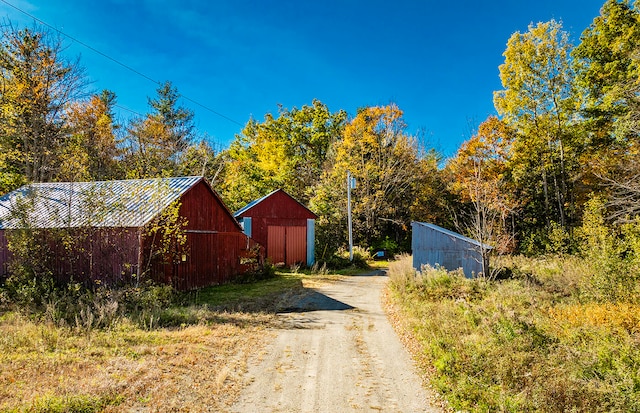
point(452, 234)
point(125, 203)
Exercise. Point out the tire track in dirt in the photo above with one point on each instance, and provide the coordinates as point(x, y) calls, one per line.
point(337, 352)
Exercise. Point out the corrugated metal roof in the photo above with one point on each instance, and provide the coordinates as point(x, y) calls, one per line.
point(452, 234)
point(125, 203)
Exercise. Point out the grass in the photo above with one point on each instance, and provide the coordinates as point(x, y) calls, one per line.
point(188, 357)
point(531, 343)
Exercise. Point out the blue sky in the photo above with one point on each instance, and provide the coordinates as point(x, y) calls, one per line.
point(437, 60)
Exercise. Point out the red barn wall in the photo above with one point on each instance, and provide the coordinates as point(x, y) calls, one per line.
point(100, 255)
point(205, 211)
point(213, 258)
point(97, 255)
point(278, 210)
point(216, 249)
point(4, 255)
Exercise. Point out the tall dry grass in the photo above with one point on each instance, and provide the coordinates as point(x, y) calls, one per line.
point(534, 342)
point(134, 349)
point(48, 368)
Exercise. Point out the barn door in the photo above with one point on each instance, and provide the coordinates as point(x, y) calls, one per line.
point(276, 243)
point(287, 244)
point(296, 245)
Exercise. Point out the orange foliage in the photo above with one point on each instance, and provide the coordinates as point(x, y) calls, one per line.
point(620, 316)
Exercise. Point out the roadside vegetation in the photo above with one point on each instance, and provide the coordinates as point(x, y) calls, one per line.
point(555, 333)
point(136, 348)
point(552, 184)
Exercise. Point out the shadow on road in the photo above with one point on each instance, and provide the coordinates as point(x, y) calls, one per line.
point(372, 273)
point(315, 301)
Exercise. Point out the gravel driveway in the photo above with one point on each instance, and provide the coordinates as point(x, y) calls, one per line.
point(337, 353)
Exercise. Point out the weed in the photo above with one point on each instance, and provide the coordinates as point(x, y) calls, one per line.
point(122, 358)
point(319, 269)
point(531, 342)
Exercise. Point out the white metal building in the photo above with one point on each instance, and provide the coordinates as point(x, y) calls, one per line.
point(437, 246)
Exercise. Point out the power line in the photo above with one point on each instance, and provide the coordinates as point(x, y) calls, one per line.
point(118, 62)
point(125, 108)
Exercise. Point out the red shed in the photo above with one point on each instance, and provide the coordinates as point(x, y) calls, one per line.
point(110, 224)
point(282, 225)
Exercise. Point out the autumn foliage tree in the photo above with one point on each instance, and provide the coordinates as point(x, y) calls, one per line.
point(37, 85)
point(385, 162)
point(155, 142)
point(480, 175)
point(539, 102)
point(92, 150)
point(288, 151)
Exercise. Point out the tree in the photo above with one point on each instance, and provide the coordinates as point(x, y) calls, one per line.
point(538, 101)
point(155, 143)
point(384, 161)
point(147, 154)
point(201, 160)
point(178, 120)
point(479, 175)
point(288, 152)
point(607, 67)
point(91, 151)
point(607, 62)
point(38, 84)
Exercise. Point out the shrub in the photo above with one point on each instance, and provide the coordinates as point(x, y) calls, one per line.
point(340, 260)
point(264, 272)
point(614, 254)
point(401, 272)
point(527, 343)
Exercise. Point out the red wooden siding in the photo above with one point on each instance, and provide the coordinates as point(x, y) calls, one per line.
point(97, 255)
point(100, 255)
point(280, 210)
point(212, 258)
point(205, 211)
point(296, 245)
point(278, 206)
point(4, 255)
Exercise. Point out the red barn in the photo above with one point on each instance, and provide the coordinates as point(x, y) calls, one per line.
point(111, 228)
point(282, 225)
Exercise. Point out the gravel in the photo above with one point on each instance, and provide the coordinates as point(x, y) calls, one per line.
point(336, 352)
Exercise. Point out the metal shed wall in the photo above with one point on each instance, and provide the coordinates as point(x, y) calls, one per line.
point(436, 246)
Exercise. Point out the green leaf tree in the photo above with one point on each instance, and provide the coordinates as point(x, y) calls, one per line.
point(538, 101)
point(608, 75)
point(288, 152)
point(606, 62)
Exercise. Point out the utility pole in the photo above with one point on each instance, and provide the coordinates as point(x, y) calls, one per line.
point(351, 184)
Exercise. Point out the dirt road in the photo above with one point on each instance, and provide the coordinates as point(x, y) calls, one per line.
point(337, 353)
